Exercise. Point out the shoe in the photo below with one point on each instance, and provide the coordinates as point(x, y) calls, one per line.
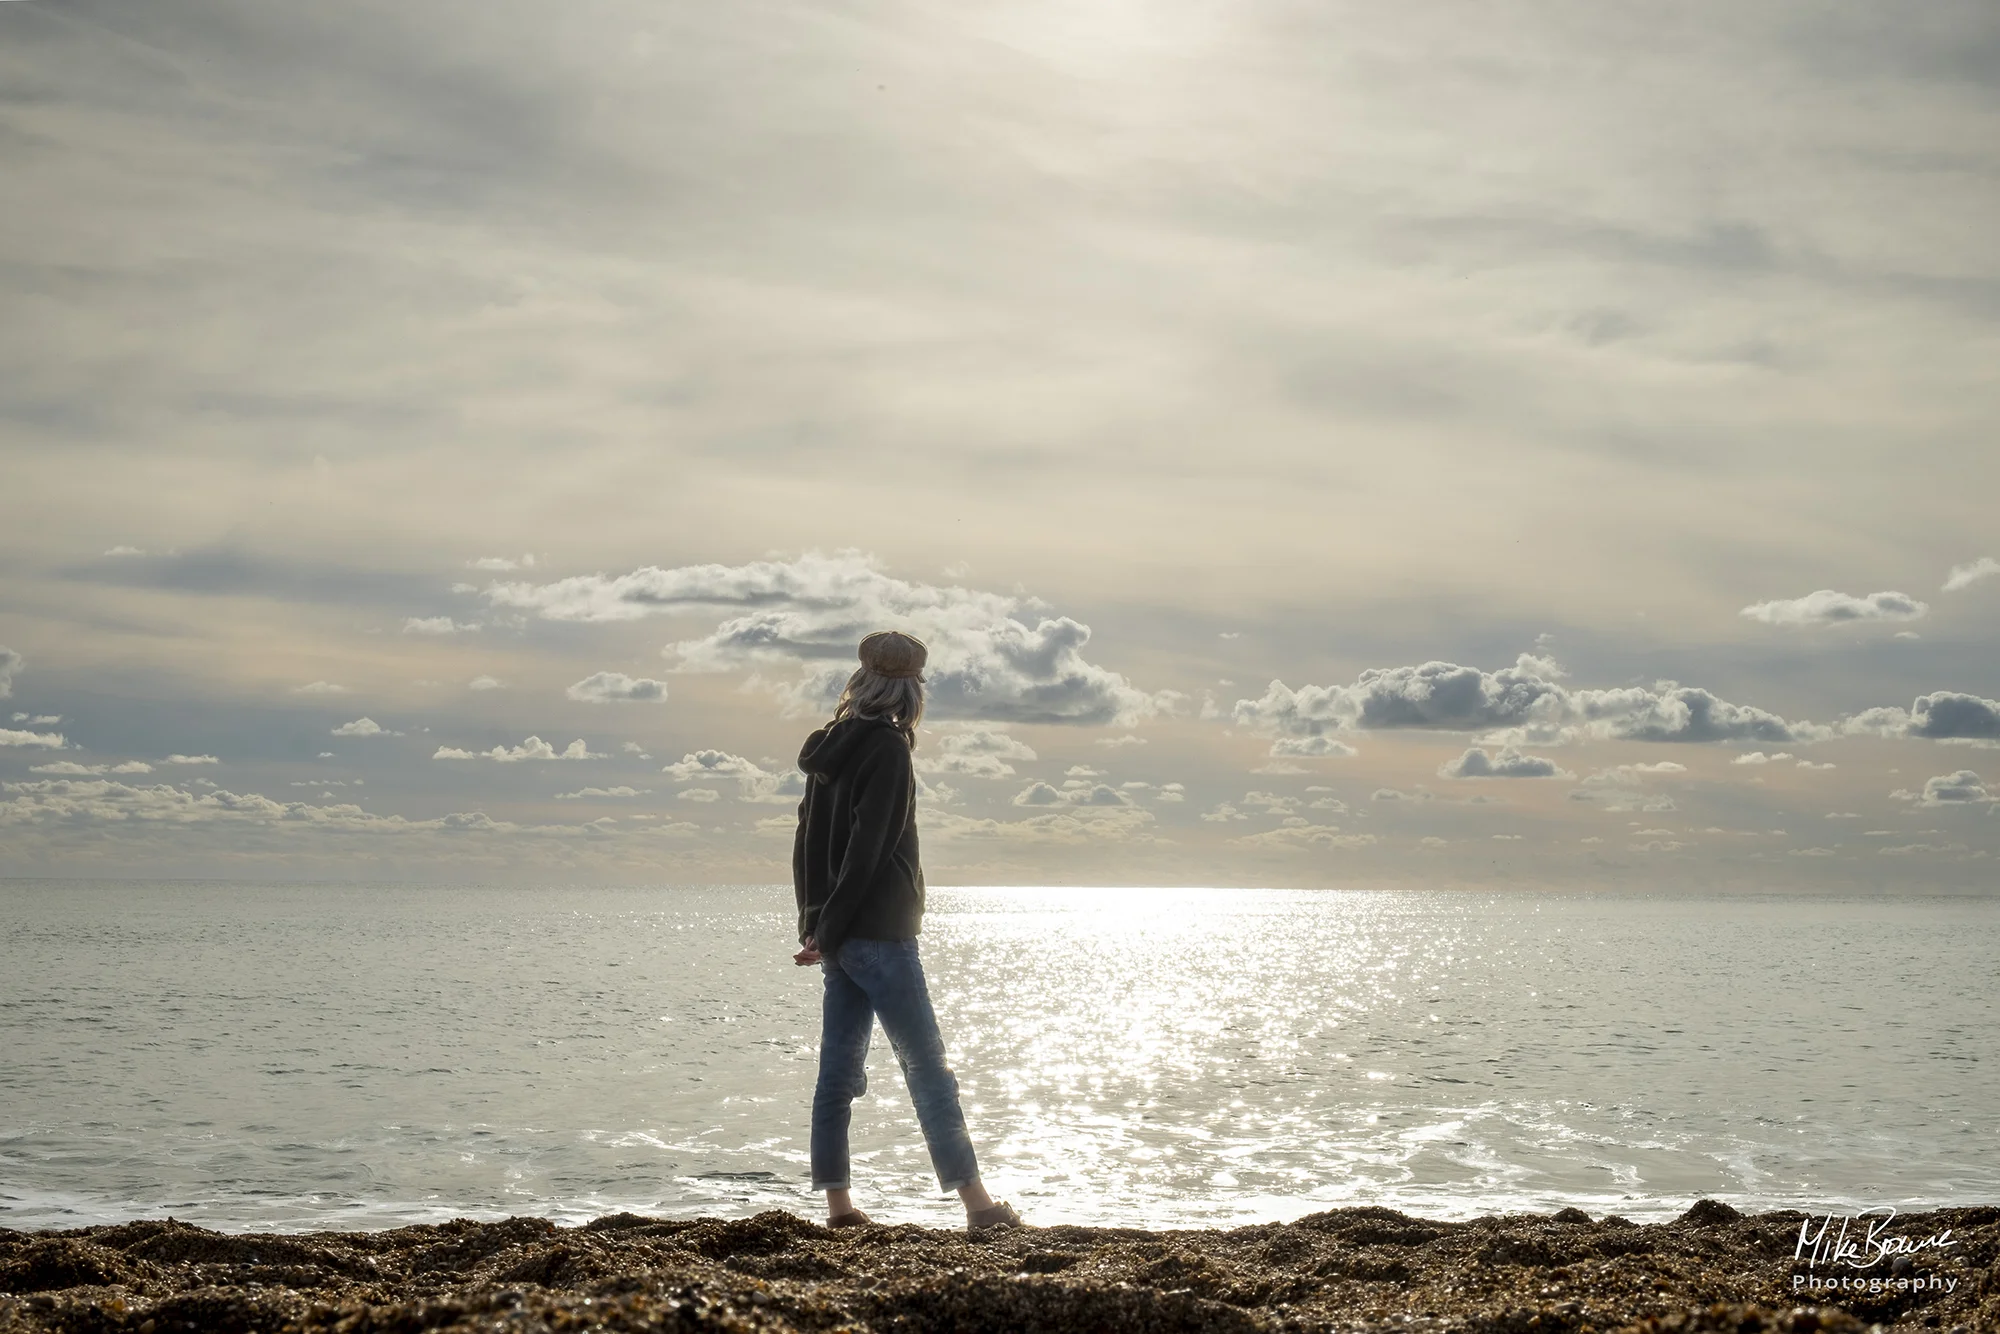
point(852, 1218)
point(1001, 1215)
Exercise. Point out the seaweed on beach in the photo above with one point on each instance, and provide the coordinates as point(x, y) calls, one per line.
point(1711, 1271)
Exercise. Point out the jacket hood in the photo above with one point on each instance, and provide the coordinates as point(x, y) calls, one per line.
point(833, 747)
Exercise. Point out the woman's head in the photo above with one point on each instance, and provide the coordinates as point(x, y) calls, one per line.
point(889, 684)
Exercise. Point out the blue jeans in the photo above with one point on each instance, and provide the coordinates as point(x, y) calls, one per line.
point(867, 979)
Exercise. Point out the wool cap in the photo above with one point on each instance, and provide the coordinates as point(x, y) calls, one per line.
point(893, 653)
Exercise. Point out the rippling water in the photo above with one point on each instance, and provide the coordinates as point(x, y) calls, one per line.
point(312, 1056)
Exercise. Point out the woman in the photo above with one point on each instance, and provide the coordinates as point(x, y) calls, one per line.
point(861, 903)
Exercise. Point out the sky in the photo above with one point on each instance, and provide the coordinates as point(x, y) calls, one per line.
point(1322, 443)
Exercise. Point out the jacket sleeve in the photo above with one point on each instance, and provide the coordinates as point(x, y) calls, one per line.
point(884, 782)
point(799, 865)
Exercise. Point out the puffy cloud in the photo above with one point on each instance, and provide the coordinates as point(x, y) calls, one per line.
point(501, 563)
point(1508, 763)
point(993, 657)
point(435, 625)
point(1081, 794)
point(1944, 715)
point(178, 758)
point(1964, 788)
point(1759, 757)
point(754, 783)
point(37, 740)
point(1317, 747)
point(1965, 576)
point(10, 667)
point(976, 753)
point(701, 794)
point(607, 687)
point(363, 727)
point(1826, 607)
point(319, 688)
point(588, 793)
point(709, 764)
point(534, 748)
point(71, 769)
point(1117, 742)
point(1523, 703)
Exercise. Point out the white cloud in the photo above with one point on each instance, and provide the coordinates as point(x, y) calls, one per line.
point(698, 794)
point(363, 727)
point(534, 748)
point(1083, 794)
point(319, 688)
point(1808, 764)
point(501, 563)
point(1629, 775)
point(754, 782)
point(435, 625)
point(124, 551)
point(178, 758)
point(986, 661)
point(978, 752)
point(37, 740)
point(1082, 771)
point(1525, 702)
point(10, 667)
point(588, 793)
point(1759, 757)
point(1965, 576)
point(1827, 607)
point(1118, 741)
point(1508, 763)
point(607, 687)
point(707, 764)
point(484, 683)
point(1964, 788)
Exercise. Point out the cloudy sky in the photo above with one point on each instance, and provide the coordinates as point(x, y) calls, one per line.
point(1323, 443)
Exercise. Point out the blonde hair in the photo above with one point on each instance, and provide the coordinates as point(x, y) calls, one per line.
point(894, 699)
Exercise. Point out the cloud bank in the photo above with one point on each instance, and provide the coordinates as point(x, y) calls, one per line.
point(610, 687)
point(1827, 607)
point(1524, 703)
point(993, 657)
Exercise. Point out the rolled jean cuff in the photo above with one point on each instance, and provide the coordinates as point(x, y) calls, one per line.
point(947, 1187)
point(845, 1183)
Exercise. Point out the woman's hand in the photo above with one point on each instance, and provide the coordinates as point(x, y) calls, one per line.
point(808, 956)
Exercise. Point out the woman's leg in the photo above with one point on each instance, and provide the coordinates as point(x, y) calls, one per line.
point(847, 1022)
point(894, 981)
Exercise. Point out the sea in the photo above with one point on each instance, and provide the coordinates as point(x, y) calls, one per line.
point(287, 1057)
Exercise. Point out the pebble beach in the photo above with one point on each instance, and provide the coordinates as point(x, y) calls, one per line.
point(1371, 1268)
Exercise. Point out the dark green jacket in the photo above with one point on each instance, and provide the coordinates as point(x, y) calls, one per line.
point(855, 869)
